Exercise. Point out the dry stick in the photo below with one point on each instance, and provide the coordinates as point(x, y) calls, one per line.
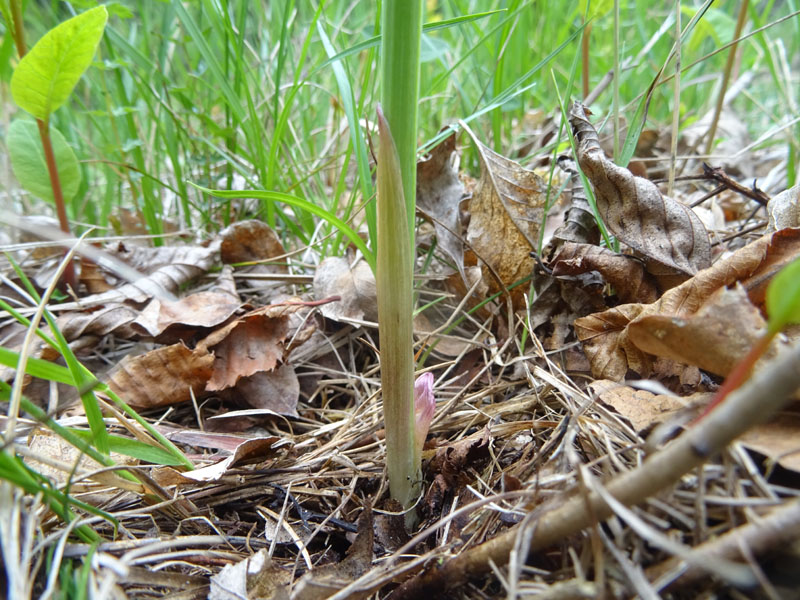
point(762, 396)
point(775, 530)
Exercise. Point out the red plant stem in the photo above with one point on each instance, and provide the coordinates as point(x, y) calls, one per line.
point(740, 372)
point(47, 145)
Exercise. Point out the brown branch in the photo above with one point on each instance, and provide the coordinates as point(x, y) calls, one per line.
point(777, 529)
point(760, 397)
point(718, 175)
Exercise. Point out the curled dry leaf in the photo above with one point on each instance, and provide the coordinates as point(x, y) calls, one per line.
point(439, 193)
point(625, 273)
point(715, 338)
point(665, 232)
point(605, 336)
point(165, 320)
point(506, 212)
point(579, 224)
point(355, 287)
point(251, 344)
point(250, 450)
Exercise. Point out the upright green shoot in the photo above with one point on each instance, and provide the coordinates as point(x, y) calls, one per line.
point(401, 25)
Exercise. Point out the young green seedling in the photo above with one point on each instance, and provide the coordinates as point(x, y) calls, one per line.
point(41, 83)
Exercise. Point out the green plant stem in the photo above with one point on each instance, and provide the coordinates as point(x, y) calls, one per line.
point(400, 51)
point(401, 30)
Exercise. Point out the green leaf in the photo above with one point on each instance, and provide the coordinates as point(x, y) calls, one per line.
point(133, 448)
point(597, 8)
point(46, 76)
point(783, 297)
point(294, 201)
point(27, 159)
point(37, 367)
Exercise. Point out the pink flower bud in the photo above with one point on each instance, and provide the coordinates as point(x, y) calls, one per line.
point(424, 407)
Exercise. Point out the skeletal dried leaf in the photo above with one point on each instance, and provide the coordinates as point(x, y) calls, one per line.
point(665, 232)
point(167, 269)
point(579, 224)
point(439, 192)
point(506, 212)
point(181, 317)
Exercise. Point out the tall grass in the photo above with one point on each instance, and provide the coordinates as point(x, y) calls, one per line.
point(235, 94)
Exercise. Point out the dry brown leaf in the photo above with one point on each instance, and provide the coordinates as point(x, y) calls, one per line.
point(605, 335)
point(643, 409)
point(665, 232)
point(625, 273)
point(247, 241)
point(778, 440)
point(784, 209)
point(325, 581)
point(253, 343)
point(169, 321)
point(255, 577)
point(506, 212)
point(92, 278)
point(355, 287)
point(250, 450)
point(714, 338)
point(439, 193)
point(163, 376)
point(277, 390)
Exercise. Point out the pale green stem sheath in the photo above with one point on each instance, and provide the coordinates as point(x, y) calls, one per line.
point(401, 34)
point(394, 279)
